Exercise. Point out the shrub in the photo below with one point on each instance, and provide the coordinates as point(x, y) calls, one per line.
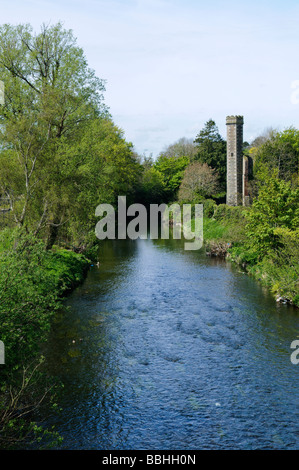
point(277, 206)
point(230, 213)
point(31, 282)
point(199, 181)
point(209, 206)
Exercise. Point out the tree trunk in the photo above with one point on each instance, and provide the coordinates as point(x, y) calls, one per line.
point(52, 234)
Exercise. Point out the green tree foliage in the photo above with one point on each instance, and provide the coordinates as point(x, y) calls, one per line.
point(27, 296)
point(172, 170)
point(101, 167)
point(211, 149)
point(57, 137)
point(51, 96)
point(281, 269)
point(277, 206)
point(152, 188)
point(279, 151)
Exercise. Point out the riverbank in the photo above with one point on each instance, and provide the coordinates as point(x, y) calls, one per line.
point(226, 236)
point(68, 269)
point(33, 283)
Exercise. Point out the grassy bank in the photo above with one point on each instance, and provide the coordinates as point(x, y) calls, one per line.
point(227, 234)
point(33, 282)
point(68, 269)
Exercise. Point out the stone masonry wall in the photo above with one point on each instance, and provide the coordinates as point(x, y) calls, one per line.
point(234, 160)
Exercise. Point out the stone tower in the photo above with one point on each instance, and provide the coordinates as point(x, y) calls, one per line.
point(234, 183)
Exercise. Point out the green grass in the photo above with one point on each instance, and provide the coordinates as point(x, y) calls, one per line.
point(213, 229)
point(66, 268)
point(225, 234)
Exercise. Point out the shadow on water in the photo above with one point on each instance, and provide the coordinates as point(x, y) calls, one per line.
point(163, 348)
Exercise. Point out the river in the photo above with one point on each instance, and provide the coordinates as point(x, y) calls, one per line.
point(162, 348)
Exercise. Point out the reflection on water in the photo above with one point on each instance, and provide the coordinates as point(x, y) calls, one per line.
point(163, 348)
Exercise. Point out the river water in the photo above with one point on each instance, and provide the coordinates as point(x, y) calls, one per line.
point(166, 349)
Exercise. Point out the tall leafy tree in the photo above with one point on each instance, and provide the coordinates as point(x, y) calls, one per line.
point(98, 169)
point(51, 98)
point(151, 188)
point(280, 151)
point(211, 149)
point(172, 170)
point(277, 206)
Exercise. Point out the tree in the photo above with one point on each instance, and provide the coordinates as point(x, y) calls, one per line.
point(51, 99)
point(199, 182)
point(211, 149)
point(172, 171)
point(277, 206)
point(152, 187)
point(281, 152)
point(182, 148)
point(98, 168)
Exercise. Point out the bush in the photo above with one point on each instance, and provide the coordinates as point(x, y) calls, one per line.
point(199, 182)
point(209, 206)
point(27, 296)
point(277, 206)
point(230, 213)
point(31, 283)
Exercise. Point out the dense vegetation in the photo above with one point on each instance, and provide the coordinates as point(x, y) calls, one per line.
point(32, 282)
point(61, 154)
point(264, 237)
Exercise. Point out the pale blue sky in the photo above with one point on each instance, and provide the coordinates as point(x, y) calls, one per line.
point(170, 65)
